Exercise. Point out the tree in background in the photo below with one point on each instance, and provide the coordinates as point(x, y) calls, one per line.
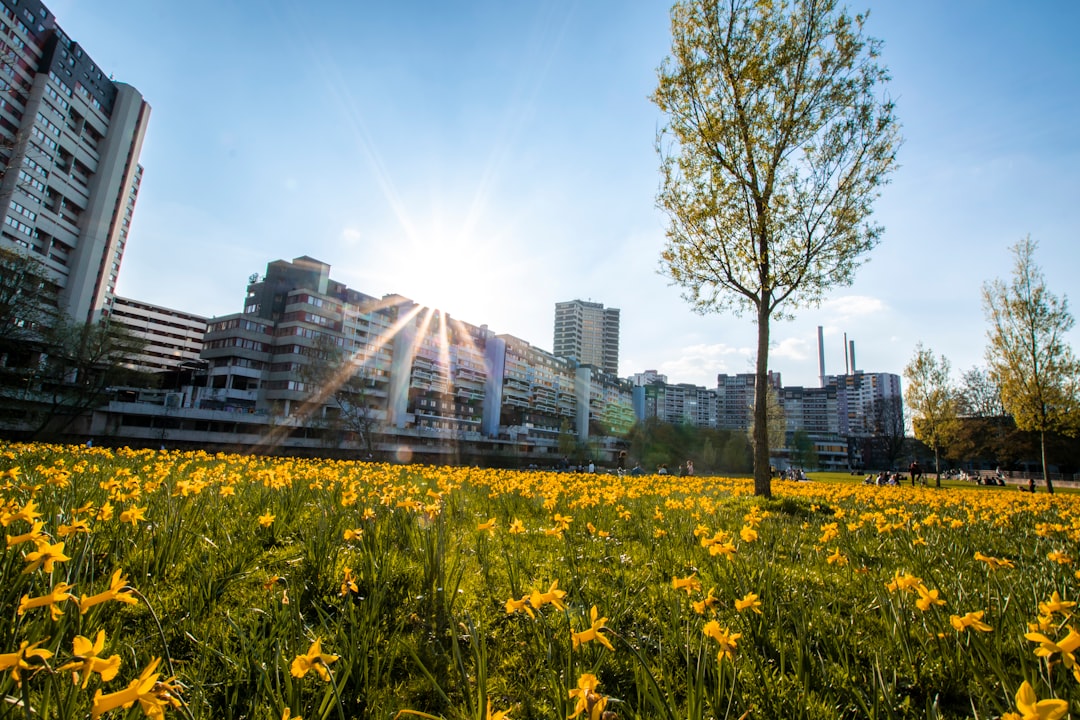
point(804, 452)
point(341, 388)
point(932, 399)
point(1028, 355)
point(81, 361)
point(888, 434)
point(776, 143)
point(25, 311)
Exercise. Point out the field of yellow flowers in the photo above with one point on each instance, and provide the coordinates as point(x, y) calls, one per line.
point(188, 585)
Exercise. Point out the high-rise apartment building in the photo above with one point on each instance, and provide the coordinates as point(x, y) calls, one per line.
point(70, 140)
point(172, 337)
point(588, 333)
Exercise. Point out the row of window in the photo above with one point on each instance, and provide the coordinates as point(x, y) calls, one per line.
point(243, 343)
point(242, 324)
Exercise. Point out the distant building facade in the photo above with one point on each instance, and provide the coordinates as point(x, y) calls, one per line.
point(420, 382)
point(588, 333)
point(70, 140)
point(172, 337)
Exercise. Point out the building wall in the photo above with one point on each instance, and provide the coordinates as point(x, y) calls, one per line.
point(71, 140)
point(172, 336)
point(588, 333)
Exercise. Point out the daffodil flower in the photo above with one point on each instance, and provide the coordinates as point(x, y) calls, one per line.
point(116, 591)
point(133, 515)
point(314, 659)
point(88, 661)
point(513, 606)
point(1065, 647)
point(593, 633)
point(1032, 708)
point(44, 557)
point(994, 563)
point(689, 584)
point(348, 585)
point(51, 600)
point(27, 512)
point(726, 639)
point(701, 606)
point(749, 602)
point(34, 535)
point(837, 558)
point(971, 620)
point(1056, 604)
point(152, 695)
point(553, 595)
point(588, 701)
point(266, 519)
point(927, 598)
point(516, 528)
point(27, 657)
point(489, 526)
point(748, 534)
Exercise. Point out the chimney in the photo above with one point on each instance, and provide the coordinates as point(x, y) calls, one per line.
point(821, 354)
point(847, 361)
point(852, 357)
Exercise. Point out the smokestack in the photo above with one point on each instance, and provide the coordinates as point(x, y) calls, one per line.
point(852, 357)
point(847, 361)
point(821, 354)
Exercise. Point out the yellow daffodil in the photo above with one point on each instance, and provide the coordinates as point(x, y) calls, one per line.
point(266, 519)
point(902, 581)
point(659, 533)
point(689, 584)
point(116, 591)
point(837, 558)
point(748, 534)
point(588, 701)
point(1056, 604)
point(351, 534)
point(348, 585)
point(829, 531)
point(598, 533)
point(513, 606)
point(994, 563)
point(27, 657)
point(87, 659)
point(726, 639)
point(1066, 647)
point(313, 659)
point(1059, 557)
point(516, 528)
point(51, 600)
point(749, 602)
point(44, 557)
point(927, 598)
point(1032, 708)
point(133, 515)
point(34, 535)
point(76, 526)
point(553, 595)
point(593, 633)
point(489, 526)
point(971, 620)
point(702, 606)
point(563, 521)
point(27, 512)
point(152, 696)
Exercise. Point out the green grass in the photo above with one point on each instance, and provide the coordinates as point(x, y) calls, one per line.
point(229, 602)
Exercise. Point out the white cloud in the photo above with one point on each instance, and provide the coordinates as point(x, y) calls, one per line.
point(351, 236)
point(793, 348)
point(700, 364)
point(850, 307)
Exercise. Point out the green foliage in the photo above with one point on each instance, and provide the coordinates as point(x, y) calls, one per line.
point(403, 574)
point(775, 145)
point(1028, 355)
point(932, 399)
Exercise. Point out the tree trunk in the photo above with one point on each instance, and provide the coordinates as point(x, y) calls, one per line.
point(1042, 453)
point(762, 470)
point(937, 467)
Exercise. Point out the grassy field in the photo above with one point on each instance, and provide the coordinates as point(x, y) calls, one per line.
point(166, 584)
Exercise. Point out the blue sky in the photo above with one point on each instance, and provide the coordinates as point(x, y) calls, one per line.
point(494, 158)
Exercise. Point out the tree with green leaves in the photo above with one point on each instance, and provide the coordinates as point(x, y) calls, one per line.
point(1028, 355)
point(777, 140)
point(931, 397)
point(804, 452)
